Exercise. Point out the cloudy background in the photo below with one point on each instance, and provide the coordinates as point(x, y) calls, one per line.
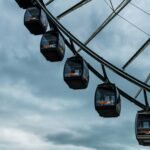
point(38, 111)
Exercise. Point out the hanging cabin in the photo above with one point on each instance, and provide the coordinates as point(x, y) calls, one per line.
point(142, 127)
point(107, 100)
point(53, 46)
point(76, 73)
point(35, 20)
point(25, 3)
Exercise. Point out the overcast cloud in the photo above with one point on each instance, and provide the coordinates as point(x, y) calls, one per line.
point(38, 111)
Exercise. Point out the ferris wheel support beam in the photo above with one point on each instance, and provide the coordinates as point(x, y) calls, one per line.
point(105, 74)
point(73, 8)
point(131, 99)
point(142, 48)
point(140, 90)
point(50, 1)
point(111, 5)
point(146, 100)
point(120, 7)
point(92, 53)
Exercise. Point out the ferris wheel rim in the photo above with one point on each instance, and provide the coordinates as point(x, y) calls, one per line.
point(112, 67)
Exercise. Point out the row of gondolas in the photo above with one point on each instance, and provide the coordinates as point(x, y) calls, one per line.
point(76, 72)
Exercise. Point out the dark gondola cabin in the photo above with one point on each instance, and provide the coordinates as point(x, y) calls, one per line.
point(76, 73)
point(24, 3)
point(107, 100)
point(53, 46)
point(142, 127)
point(35, 20)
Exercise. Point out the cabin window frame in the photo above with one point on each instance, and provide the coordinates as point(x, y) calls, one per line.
point(30, 14)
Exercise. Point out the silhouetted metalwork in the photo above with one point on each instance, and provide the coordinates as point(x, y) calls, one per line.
point(73, 8)
point(92, 53)
point(49, 2)
point(140, 50)
point(120, 7)
point(140, 90)
point(76, 69)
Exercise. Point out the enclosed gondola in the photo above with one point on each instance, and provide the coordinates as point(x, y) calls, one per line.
point(142, 127)
point(53, 46)
point(35, 20)
point(107, 100)
point(76, 73)
point(25, 3)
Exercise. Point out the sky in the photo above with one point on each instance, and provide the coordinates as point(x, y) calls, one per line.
point(38, 111)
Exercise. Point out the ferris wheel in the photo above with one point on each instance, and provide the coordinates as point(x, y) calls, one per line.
point(39, 20)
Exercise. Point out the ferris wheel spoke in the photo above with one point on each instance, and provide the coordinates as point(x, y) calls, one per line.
point(140, 90)
point(142, 48)
point(120, 7)
point(49, 2)
point(73, 8)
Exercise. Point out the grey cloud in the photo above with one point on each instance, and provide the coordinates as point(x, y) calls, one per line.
point(98, 137)
point(22, 64)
